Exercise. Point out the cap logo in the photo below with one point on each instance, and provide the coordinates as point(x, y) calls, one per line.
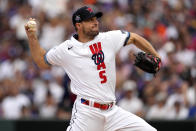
point(90, 10)
point(77, 18)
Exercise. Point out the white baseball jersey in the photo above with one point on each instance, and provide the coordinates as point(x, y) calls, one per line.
point(90, 65)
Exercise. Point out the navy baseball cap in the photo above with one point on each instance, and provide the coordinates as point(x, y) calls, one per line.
point(83, 14)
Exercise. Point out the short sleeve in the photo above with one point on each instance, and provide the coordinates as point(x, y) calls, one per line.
point(53, 56)
point(119, 38)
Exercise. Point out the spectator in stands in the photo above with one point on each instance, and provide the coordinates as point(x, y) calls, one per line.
point(159, 110)
point(130, 102)
point(178, 111)
point(52, 33)
point(13, 103)
point(49, 108)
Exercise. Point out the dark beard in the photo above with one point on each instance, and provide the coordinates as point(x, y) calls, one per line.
point(90, 34)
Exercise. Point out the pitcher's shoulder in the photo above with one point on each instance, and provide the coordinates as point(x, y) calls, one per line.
point(63, 46)
point(64, 43)
point(109, 33)
point(103, 34)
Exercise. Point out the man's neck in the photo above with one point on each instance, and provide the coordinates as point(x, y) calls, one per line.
point(82, 38)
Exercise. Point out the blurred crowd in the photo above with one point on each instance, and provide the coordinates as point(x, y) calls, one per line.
point(170, 25)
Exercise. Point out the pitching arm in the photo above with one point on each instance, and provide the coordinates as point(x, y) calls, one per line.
point(36, 51)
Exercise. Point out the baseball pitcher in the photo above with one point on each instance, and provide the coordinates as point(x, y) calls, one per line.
point(88, 58)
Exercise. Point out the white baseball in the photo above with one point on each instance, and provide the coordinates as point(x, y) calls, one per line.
point(31, 23)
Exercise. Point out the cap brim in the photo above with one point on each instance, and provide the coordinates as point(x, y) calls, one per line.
point(98, 14)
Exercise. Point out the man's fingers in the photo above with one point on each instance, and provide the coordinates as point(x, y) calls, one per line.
point(26, 27)
point(31, 30)
point(31, 19)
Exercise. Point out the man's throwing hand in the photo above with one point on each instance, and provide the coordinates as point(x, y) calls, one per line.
point(31, 27)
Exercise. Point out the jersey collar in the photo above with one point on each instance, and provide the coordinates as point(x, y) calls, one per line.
point(75, 39)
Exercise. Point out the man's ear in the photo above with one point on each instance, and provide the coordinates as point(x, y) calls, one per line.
point(78, 25)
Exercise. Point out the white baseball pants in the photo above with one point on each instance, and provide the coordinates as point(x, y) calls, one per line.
point(87, 118)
